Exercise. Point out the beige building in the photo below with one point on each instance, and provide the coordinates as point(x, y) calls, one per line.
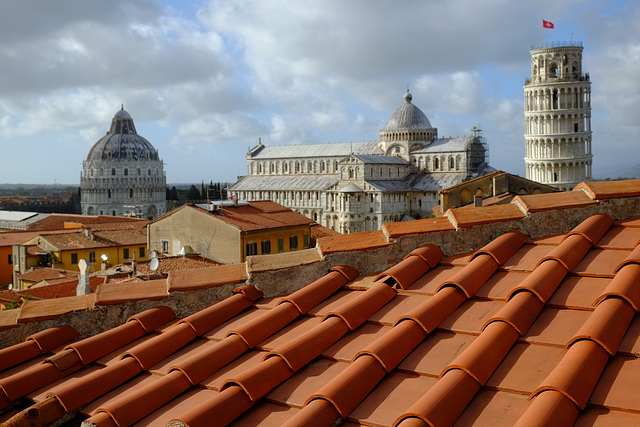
point(229, 231)
point(353, 187)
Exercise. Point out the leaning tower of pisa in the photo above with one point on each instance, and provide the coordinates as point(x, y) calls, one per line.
point(557, 117)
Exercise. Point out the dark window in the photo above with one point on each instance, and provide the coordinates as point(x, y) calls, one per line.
point(306, 240)
point(165, 246)
point(280, 244)
point(252, 248)
point(126, 171)
point(131, 193)
point(113, 171)
point(10, 259)
point(74, 258)
point(125, 253)
point(266, 246)
point(142, 252)
point(92, 257)
point(109, 193)
point(293, 243)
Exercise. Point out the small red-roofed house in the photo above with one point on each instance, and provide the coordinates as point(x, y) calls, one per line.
point(229, 231)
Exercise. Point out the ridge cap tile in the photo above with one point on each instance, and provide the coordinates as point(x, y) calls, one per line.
point(46, 309)
point(53, 337)
point(550, 407)
point(577, 373)
point(443, 403)
point(632, 258)
point(467, 217)
point(118, 293)
point(473, 275)
point(258, 329)
point(593, 228)
point(317, 291)
point(552, 201)
point(570, 252)
point(483, 356)
point(625, 285)
point(543, 281)
point(310, 344)
point(359, 309)
point(519, 312)
point(206, 319)
point(347, 389)
point(607, 324)
point(610, 189)
point(502, 247)
point(396, 344)
point(405, 273)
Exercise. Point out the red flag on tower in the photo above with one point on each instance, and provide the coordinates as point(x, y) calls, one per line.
point(547, 24)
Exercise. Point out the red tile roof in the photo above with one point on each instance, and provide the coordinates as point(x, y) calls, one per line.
point(518, 332)
point(258, 215)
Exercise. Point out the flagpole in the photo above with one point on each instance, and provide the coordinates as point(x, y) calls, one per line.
point(541, 34)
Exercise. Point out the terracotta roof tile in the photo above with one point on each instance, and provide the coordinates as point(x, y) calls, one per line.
point(367, 240)
point(610, 189)
point(259, 263)
point(426, 225)
point(36, 310)
point(553, 201)
point(115, 293)
point(186, 280)
point(462, 217)
point(461, 341)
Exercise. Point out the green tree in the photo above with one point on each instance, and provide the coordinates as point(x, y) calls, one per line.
point(193, 194)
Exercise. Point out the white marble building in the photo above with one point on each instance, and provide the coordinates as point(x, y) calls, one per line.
point(353, 187)
point(557, 117)
point(123, 175)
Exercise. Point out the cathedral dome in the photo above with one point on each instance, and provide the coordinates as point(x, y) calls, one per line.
point(122, 142)
point(407, 117)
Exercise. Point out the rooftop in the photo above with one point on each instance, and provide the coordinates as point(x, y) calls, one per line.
point(523, 316)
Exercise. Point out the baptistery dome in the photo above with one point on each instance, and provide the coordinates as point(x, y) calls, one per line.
point(123, 174)
point(122, 142)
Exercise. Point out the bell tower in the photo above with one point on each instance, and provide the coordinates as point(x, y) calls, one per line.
point(557, 117)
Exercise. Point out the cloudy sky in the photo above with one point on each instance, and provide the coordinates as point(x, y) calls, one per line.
point(203, 80)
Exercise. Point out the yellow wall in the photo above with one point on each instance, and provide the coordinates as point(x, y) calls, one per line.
point(272, 235)
point(115, 254)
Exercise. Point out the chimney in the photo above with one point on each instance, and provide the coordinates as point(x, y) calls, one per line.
point(83, 287)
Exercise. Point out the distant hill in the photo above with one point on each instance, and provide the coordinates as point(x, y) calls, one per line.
point(619, 172)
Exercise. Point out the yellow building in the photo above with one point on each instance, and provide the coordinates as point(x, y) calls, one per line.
point(118, 246)
point(229, 231)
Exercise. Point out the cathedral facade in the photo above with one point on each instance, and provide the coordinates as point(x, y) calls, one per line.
point(353, 187)
point(123, 174)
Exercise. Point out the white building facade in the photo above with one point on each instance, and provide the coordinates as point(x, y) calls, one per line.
point(557, 115)
point(354, 187)
point(123, 174)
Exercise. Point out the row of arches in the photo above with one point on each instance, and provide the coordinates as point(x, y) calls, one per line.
point(443, 163)
point(553, 148)
point(421, 135)
point(546, 99)
point(557, 123)
point(280, 167)
point(559, 172)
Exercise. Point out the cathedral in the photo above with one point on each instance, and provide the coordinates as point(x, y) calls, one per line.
point(123, 175)
point(353, 187)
